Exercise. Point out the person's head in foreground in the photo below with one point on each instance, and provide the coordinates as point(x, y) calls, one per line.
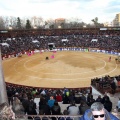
point(98, 112)
point(6, 112)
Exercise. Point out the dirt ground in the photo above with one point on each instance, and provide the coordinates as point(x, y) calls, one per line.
point(66, 69)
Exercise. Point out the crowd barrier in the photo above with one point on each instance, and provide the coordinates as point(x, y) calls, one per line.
point(89, 50)
point(49, 117)
point(63, 49)
point(25, 86)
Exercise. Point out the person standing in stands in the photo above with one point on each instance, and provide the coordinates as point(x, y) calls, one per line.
point(98, 112)
point(83, 107)
point(113, 86)
point(73, 109)
point(51, 102)
point(104, 97)
point(108, 104)
point(31, 108)
point(56, 110)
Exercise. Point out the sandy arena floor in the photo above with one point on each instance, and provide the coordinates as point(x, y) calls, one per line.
point(66, 69)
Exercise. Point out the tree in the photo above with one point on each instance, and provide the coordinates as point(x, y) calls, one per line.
point(12, 21)
point(6, 22)
point(52, 26)
point(28, 24)
point(18, 23)
point(2, 24)
point(95, 21)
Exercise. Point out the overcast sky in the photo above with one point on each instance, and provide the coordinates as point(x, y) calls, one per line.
point(86, 10)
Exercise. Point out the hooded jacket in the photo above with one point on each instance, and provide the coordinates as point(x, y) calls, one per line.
point(88, 116)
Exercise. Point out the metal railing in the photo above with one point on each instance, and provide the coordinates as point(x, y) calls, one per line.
point(46, 117)
point(49, 117)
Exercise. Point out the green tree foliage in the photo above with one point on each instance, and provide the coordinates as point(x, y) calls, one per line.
point(52, 26)
point(95, 21)
point(28, 24)
point(19, 23)
point(2, 25)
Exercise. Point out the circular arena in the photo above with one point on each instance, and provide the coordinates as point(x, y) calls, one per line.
point(71, 69)
point(86, 62)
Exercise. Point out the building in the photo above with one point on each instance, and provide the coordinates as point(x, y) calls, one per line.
point(107, 24)
point(59, 22)
point(116, 21)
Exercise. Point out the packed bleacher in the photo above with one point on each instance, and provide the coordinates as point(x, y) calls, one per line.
point(33, 101)
point(106, 40)
point(46, 101)
point(107, 84)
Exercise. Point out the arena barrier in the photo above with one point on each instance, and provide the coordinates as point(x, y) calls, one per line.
point(49, 117)
point(89, 50)
point(64, 49)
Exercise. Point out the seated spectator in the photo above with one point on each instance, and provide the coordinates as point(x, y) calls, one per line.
point(56, 109)
point(83, 107)
point(65, 99)
point(83, 98)
point(43, 92)
point(116, 82)
point(99, 99)
point(71, 96)
point(59, 97)
point(45, 108)
point(91, 101)
point(41, 118)
point(113, 87)
point(108, 104)
point(73, 109)
point(17, 106)
point(98, 112)
point(118, 105)
point(33, 93)
point(65, 112)
point(77, 97)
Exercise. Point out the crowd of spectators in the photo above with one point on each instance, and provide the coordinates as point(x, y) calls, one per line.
point(106, 40)
point(43, 101)
point(111, 83)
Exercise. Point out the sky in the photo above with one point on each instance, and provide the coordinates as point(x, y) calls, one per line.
point(85, 10)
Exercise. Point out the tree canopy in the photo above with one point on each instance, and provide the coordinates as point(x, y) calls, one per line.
point(28, 24)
